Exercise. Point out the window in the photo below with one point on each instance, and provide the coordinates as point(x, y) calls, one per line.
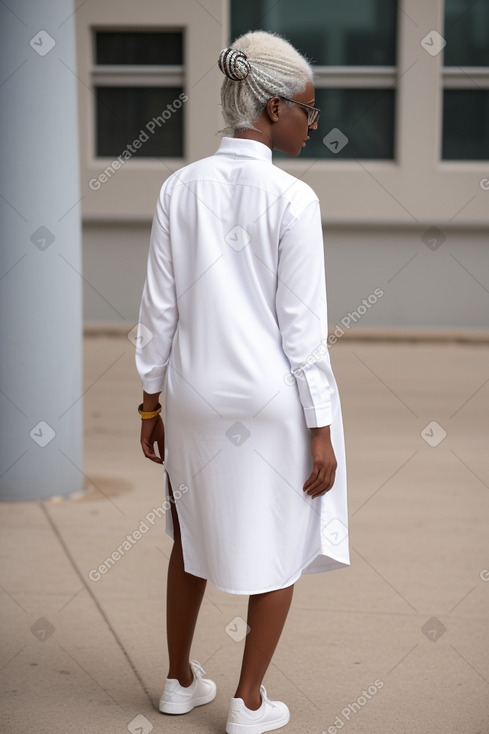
point(466, 80)
point(352, 45)
point(138, 83)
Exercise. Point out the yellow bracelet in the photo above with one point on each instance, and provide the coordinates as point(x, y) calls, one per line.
point(147, 414)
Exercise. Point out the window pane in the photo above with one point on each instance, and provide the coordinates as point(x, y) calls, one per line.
point(125, 114)
point(139, 47)
point(328, 32)
point(466, 124)
point(364, 116)
point(467, 33)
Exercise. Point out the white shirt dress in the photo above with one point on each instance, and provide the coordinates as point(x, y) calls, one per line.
point(233, 327)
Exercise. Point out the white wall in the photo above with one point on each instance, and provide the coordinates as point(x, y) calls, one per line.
point(422, 287)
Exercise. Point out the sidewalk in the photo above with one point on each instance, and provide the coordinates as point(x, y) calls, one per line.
point(396, 643)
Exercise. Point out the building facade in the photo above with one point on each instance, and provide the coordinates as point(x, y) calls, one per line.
point(400, 161)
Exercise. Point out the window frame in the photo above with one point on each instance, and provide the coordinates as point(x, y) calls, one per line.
point(140, 75)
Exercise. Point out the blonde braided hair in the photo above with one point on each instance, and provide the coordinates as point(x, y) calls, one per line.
point(258, 66)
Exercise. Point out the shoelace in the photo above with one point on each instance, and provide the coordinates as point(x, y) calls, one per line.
point(263, 692)
point(197, 668)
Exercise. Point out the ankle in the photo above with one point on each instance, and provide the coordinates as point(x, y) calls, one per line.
point(184, 676)
point(251, 698)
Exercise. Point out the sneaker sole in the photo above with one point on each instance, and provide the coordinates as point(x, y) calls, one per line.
point(255, 728)
point(184, 708)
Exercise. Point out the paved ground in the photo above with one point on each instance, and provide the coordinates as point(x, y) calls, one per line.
point(398, 642)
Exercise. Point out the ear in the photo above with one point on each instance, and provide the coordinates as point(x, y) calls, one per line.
point(272, 108)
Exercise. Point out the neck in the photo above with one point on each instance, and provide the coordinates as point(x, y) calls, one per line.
point(258, 135)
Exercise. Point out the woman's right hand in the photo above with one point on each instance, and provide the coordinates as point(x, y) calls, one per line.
point(323, 472)
point(153, 432)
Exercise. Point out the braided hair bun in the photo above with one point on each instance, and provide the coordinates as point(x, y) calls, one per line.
point(256, 67)
point(234, 64)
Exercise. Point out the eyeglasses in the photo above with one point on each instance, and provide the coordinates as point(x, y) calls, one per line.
point(312, 112)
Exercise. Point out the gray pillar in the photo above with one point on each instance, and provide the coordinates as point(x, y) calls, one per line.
point(40, 260)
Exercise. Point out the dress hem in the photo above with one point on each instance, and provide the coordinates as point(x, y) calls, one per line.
point(333, 565)
point(314, 565)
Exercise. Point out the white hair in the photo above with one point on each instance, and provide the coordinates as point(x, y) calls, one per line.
point(258, 66)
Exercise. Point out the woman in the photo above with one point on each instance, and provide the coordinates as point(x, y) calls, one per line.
point(235, 305)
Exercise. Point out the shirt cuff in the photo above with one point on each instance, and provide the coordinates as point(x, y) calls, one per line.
point(152, 385)
point(318, 417)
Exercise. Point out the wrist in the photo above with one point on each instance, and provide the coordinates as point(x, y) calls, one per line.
point(149, 407)
point(320, 430)
point(149, 414)
point(151, 402)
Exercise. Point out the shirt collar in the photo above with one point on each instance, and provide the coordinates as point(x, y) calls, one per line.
point(243, 148)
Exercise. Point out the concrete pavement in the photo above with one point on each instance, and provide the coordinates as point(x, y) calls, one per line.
point(398, 642)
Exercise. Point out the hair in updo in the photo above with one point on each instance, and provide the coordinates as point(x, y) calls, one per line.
point(258, 66)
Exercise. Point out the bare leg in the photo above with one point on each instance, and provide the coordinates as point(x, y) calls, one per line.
point(184, 597)
point(266, 618)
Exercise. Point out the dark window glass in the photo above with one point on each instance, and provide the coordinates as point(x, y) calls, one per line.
point(153, 48)
point(328, 32)
point(466, 124)
point(125, 114)
point(466, 33)
point(364, 116)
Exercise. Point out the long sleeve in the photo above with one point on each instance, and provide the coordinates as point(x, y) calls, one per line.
point(302, 313)
point(158, 315)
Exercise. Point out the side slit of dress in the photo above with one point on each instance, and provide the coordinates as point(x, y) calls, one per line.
point(168, 488)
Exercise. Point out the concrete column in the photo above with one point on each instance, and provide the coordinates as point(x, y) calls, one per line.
point(40, 260)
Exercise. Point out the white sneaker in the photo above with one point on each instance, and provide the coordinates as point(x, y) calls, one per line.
point(271, 715)
point(177, 699)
